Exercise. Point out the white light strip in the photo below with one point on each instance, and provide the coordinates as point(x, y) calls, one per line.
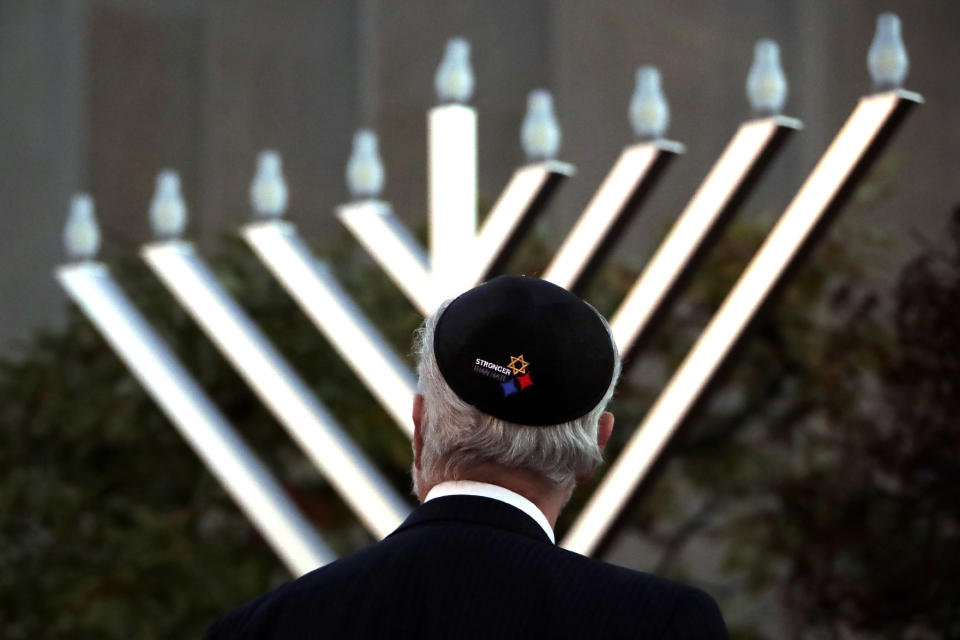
point(704, 214)
point(872, 120)
point(452, 173)
point(386, 239)
point(611, 205)
point(321, 297)
point(236, 467)
point(344, 466)
point(525, 195)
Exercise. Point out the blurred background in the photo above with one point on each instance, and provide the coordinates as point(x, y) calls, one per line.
point(816, 496)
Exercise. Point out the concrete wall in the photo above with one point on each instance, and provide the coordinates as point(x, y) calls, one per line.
point(41, 155)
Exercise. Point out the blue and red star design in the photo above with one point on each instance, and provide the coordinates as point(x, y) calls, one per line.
point(519, 382)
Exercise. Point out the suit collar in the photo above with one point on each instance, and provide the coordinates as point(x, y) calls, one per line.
point(477, 510)
point(497, 492)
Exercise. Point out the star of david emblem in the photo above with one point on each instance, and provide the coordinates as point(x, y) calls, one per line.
point(518, 365)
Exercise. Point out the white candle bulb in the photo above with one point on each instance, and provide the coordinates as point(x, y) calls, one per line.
point(168, 211)
point(540, 133)
point(268, 191)
point(887, 59)
point(766, 82)
point(454, 78)
point(81, 236)
point(365, 175)
point(649, 112)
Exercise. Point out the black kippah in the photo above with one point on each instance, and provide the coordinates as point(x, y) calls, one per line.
point(524, 350)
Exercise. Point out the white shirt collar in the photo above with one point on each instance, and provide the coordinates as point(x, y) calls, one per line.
point(486, 490)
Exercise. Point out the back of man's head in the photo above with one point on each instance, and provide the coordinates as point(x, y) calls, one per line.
point(514, 373)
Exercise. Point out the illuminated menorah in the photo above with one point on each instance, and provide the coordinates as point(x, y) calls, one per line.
point(460, 256)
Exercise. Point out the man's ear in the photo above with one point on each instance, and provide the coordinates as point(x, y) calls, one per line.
point(417, 434)
point(604, 429)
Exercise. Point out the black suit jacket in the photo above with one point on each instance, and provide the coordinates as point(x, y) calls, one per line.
point(472, 567)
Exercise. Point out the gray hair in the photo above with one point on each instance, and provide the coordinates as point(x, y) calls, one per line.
point(457, 436)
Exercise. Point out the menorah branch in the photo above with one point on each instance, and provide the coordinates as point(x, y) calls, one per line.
point(197, 419)
point(855, 147)
point(287, 397)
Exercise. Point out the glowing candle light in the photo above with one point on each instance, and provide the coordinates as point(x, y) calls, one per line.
point(365, 174)
point(454, 78)
point(168, 211)
point(887, 59)
point(540, 133)
point(766, 82)
point(268, 191)
point(649, 112)
point(81, 236)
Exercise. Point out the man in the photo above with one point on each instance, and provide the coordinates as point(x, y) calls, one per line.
point(515, 376)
